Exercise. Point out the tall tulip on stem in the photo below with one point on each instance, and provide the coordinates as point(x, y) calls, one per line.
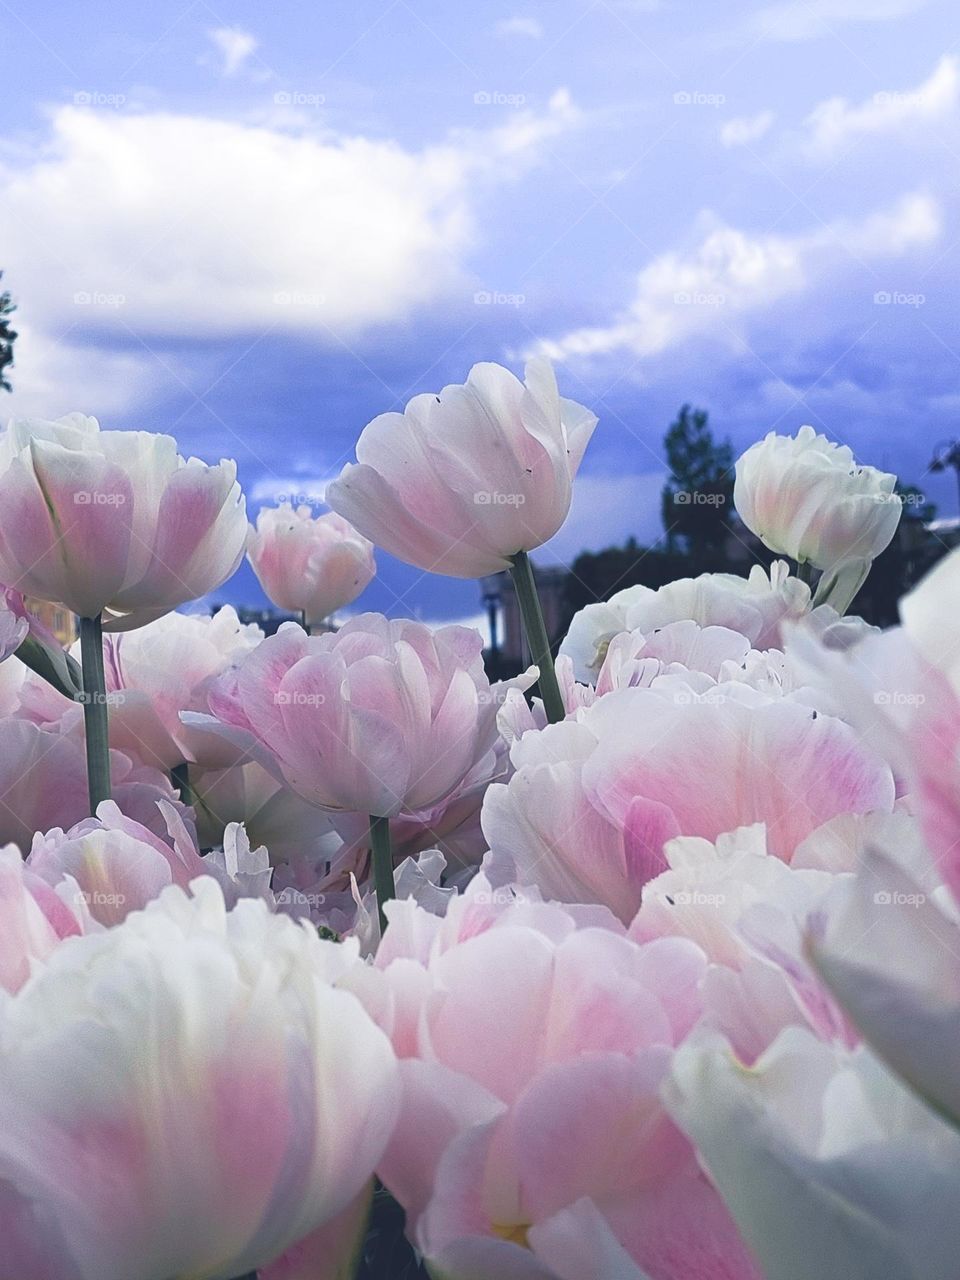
point(382, 855)
point(95, 710)
point(468, 482)
point(525, 585)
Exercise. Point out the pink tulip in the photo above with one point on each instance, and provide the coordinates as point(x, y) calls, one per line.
point(116, 864)
point(755, 607)
point(152, 675)
point(635, 658)
point(748, 911)
point(191, 1093)
point(901, 691)
point(43, 783)
point(309, 565)
point(532, 1141)
point(114, 522)
point(885, 942)
point(461, 481)
point(33, 921)
point(829, 1165)
point(593, 800)
point(13, 630)
point(379, 718)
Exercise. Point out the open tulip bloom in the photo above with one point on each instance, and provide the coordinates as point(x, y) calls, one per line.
point(652, 977)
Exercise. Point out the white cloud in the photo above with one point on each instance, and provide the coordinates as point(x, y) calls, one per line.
point(188, 225)
point(51, 377)
point(742, 130)
point(120, 226)
point(234, 46)
point(525, 28)
point(835, 123)
point(732, 273)
point(812, 18)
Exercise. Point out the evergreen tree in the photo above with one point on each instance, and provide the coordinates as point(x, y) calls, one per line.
point(698, 495)
point(7, 337)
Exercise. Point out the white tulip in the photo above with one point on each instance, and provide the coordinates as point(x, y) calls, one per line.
point(807, 498)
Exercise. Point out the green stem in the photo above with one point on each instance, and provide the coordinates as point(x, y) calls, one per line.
point(382, 865)
point(96, 729)
point(303, 621)
point(525, 586)
point(180, 777)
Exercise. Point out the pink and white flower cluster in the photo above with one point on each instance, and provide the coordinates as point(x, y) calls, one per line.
point(669, 987)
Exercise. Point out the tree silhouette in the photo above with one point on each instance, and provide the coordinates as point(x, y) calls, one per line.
point(698, 495)
point(7, 337)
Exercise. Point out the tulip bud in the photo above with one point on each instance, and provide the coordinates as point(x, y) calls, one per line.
point(805, 497)
point(309, 565)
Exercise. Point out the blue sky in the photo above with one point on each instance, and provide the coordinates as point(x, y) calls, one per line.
point(256, 227)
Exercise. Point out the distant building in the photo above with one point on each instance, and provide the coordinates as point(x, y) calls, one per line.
point(55, 618)
point(508, 645)
point(270, 620)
